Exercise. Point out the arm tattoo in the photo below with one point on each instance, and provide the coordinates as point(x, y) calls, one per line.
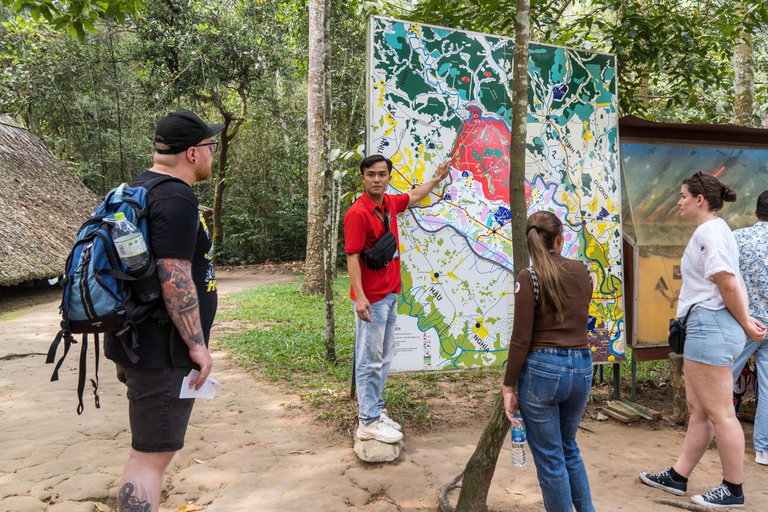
point(127, 502)
point(180, 297)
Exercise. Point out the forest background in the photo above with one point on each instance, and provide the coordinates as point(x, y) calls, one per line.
point(91, 78)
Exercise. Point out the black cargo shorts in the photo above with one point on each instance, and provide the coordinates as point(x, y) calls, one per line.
point(158, 417)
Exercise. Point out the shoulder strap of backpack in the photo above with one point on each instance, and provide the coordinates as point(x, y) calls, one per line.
point(535, 283)
point(149, 186)
point(158, 180)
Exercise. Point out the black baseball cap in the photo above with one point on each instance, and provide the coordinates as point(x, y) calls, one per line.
point(181, 130)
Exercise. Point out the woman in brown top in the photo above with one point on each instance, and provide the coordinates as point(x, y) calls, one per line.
point(550, 364)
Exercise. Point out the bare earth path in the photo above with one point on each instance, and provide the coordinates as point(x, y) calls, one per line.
point(246, 451)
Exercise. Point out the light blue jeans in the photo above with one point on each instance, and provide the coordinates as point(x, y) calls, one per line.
point(760, 349)
point(374, 341)
point(552, 390)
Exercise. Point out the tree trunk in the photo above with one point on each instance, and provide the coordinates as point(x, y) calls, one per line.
point(743, 81)
point(221, 186)
point(232, 125)
point(314, 275)
point(482, 465)
point(677, 383)
point(329, 254)
point(517, 204)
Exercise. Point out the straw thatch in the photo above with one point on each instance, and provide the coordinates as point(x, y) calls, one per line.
point(42, 205)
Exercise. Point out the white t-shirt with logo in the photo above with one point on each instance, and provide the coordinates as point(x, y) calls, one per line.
point(711, 249)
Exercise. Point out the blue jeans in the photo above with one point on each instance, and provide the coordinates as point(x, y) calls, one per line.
point(552, 390)
point(760, 349)
point(374, 341)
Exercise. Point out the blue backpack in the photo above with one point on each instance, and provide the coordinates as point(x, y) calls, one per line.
point(99, 295)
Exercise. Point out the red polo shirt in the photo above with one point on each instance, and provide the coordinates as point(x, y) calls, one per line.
point(362, 227)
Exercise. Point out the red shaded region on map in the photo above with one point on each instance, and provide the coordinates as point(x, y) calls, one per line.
point(482, 148)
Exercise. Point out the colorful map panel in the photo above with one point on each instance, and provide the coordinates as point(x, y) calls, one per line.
point(437, 94)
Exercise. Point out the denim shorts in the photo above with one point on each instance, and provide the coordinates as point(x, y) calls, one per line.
point(713, 337)
point(158, 417)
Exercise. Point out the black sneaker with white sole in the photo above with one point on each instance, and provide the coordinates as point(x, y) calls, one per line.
point(719, 497)
point(664, 482)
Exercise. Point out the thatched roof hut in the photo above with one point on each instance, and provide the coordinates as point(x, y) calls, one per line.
point(42, 205)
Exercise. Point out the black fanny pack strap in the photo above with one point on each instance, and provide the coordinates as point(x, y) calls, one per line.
point(685, 320)
point(81, 376)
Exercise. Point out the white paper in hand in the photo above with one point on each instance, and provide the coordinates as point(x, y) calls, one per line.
point(206, 391)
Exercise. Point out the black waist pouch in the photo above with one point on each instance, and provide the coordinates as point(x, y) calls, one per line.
point(381, 252)
point(676, 336)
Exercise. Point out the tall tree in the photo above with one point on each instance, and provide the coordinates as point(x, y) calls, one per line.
point(329, 227)
point(317, 171)
point(480, 468)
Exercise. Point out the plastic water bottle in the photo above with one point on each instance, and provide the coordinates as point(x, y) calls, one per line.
point(132, 249)
point(130, 245)
point(518, 442)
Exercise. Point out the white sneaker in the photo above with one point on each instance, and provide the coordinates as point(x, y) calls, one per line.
point(389, 421)
point(379, 431)
point(761, 458)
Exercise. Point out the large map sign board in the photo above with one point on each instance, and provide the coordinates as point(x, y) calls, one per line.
point(437, 94)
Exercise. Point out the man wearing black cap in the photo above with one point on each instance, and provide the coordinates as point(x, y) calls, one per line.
point(174, 340)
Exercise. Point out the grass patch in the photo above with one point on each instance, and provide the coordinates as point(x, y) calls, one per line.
point(286, 344)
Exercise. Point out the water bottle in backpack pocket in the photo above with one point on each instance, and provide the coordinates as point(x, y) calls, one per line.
point(133, 251)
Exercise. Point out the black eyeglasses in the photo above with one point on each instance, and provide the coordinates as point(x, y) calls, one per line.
point(214, 145)
point(703, 185)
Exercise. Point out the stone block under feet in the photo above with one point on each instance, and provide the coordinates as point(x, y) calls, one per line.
point(372, 450)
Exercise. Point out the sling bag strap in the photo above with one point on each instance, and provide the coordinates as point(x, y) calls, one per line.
point(685, 320)
point(386, 216)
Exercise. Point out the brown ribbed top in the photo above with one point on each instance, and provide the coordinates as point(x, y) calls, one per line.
point(535, 329)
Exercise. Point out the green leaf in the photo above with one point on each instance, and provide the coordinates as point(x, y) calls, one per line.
point(89, 26)
point(78, 30)
point(76, 9)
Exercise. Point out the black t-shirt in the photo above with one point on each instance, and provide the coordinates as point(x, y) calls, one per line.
point(176, 230)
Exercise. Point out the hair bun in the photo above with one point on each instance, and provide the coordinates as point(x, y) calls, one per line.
point(728, 195)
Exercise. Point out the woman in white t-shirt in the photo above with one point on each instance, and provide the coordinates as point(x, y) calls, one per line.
point(716, 327)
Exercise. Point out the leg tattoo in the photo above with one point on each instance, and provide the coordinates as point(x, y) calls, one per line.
point(127, 502)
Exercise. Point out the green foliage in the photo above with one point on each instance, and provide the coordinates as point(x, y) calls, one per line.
point(76, 16)
point(80, 98)
point(674, 58)
point(95, 103)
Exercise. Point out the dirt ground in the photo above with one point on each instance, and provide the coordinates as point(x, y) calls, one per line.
point(251, 449)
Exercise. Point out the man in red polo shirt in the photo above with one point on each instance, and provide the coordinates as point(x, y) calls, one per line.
point(374, 292)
